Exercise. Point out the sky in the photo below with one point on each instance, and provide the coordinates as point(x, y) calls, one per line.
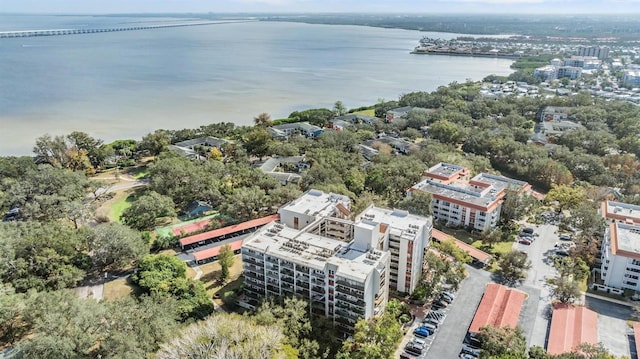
point(563, 7)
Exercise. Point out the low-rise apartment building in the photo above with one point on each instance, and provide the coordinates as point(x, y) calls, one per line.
point(344, 268)
point(460, 201)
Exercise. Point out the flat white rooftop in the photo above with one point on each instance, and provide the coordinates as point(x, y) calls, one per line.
point(627, 238)
point(314, 251)
point(316, 203)
point(396, 218)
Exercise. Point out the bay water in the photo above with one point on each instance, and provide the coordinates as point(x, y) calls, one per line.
point(125, 84)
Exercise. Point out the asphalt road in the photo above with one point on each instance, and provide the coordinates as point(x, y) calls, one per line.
point(535, 321)
point(448, 340)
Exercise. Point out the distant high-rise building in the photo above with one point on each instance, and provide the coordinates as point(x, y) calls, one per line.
point(601, 52)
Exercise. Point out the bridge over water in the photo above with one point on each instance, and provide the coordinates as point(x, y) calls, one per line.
point(56, 32)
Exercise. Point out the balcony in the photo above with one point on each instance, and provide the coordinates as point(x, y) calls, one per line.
point(318, 289)
point(254, 275)
point(351, 285)
point(288, 272)
point(273, 288)
point(286, 279)
point(354, 301)
point(253, 260)
point(302, 269)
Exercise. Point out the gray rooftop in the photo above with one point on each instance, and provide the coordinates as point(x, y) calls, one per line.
point(628, 238)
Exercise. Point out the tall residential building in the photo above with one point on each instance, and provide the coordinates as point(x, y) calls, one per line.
point(631, 78)
point(405, 236)
point(342, 267)
point(546, 73)
point(460, 201)
point(570, 72)
point(601, 52)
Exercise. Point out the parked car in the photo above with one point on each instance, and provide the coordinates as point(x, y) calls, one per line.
point(528, 230)
point(525, 241)
point(448, 295)
point(407, 356)
point(440, 302)
point(418, 341)
point(436, 306)
point(565, 237)
point(430, 327)
point(421, 332)
point(431, 321)
point(411, 349)
point(471, 351)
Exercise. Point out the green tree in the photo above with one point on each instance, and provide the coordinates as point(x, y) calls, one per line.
point(29, 262)
point(418, 203)
point(165, 275)
point(155, 143)
point(376, 338)
point(114, 246)
point(226, 259)
point(513, 267)
point(500, 341)
point(263, 120)
point(246, 203)
point(447, 132)
point(490, 237)
point(339, 109)
point(257, 142)
point(567, 197)
point(229, 335)
point(146, 209)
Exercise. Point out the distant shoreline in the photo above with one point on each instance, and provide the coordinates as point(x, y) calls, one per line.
point(468, 54)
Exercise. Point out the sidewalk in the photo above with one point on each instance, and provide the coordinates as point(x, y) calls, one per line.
point(612, 300)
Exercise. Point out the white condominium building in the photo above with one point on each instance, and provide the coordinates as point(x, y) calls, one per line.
point(460, 201)
point(342, 267)
point(621, 256)
point(405, 236)
point(343, 281)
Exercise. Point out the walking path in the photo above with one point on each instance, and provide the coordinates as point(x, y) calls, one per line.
point(198, 272)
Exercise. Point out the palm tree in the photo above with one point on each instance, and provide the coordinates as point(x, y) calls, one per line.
point(263, 120)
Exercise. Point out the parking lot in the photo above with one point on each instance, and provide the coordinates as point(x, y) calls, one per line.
point(540, 253)
point(446, 342)
point(612, 325)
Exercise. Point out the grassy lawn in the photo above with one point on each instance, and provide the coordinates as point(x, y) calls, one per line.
point(138, 172)
point(211, 272)
point(119, 288)
point(460, 234)
point(497, 249)
point(118, 205)
point(370, 112)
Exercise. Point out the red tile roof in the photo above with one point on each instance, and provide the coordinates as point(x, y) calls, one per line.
point(636, 335)
point(570, 327)
point(473, 251)
point(500, 307)
point(191, 227)
point(212, 252)
point(228, 230)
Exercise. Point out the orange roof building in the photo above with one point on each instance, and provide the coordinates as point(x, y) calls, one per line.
point(203, 238)
point(636, 335)
point(458, 200)
point(474, 252)
point(570, 327)
point(500, 307)
point(211, 253)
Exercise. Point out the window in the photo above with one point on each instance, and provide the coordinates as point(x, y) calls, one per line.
point(295, 222)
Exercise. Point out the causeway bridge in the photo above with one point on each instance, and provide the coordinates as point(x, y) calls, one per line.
point(56, 32)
